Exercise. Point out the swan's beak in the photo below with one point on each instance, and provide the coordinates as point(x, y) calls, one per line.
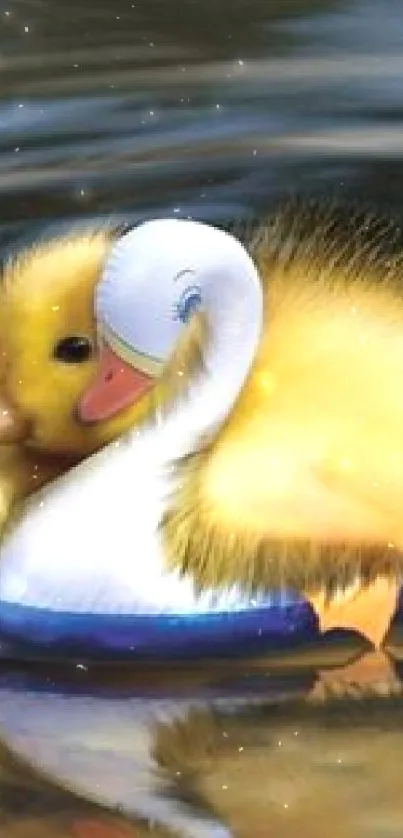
point(117, 385)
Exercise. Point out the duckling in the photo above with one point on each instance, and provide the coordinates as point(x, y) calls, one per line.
point(267, 379)
point(47, 357)
point(302, 486)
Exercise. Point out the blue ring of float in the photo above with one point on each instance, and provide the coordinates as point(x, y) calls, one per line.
point(29, 632)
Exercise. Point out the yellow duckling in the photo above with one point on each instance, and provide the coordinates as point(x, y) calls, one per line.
point(47, 357)
point(303, 485)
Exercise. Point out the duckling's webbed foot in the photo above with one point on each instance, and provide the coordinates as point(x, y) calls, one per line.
point(366, 608)
point(370, 675)
point(369, 610)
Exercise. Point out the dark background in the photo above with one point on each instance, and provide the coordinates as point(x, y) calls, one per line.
point(213, 108)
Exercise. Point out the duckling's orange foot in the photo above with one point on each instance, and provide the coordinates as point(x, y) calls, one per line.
point(372, 674)
point(368, 610)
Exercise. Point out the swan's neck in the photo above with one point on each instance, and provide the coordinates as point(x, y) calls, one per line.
point(228, 352)
point(144, 298)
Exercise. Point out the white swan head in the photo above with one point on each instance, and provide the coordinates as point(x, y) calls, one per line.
point(157, 275)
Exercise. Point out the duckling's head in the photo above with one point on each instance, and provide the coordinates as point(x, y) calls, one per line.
point(48, 345)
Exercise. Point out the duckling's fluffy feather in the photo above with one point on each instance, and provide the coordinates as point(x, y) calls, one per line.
point(328, 369)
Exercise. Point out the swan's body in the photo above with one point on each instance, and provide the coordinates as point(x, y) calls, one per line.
point(290, 436)
point(97, 566)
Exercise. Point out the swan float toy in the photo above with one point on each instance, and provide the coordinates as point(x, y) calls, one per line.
point(82, 570)
point(98, 563)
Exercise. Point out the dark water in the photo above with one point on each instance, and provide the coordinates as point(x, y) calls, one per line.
point(215, 109)
point(204, 108)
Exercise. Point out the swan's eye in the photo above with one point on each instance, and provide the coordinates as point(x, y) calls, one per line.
point(74, 349)
point(190, 300)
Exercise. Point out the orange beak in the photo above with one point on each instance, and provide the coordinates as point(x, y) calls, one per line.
point(117, 385)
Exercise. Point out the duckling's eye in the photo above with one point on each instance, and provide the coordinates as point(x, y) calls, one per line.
point(74, 349)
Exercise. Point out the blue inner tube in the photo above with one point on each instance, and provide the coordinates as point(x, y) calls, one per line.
point(275, 624)
point(229, 626)
point(279, 624)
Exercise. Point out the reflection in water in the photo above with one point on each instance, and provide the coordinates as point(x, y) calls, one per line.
point(211, 109)
point(208, 755)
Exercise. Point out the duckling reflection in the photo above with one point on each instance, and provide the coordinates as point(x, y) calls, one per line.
point(241, 757)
